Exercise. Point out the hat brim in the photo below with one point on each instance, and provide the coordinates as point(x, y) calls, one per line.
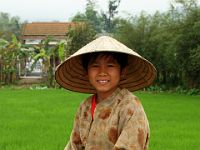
point(71, 75)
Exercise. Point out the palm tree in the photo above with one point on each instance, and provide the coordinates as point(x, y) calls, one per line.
point(8, 59)
point(51, 56)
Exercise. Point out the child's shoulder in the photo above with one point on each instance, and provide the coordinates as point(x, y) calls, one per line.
point(129, 103)
point(87, 101)
point(128, 97)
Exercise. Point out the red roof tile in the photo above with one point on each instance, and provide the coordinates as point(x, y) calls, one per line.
point(46, 29)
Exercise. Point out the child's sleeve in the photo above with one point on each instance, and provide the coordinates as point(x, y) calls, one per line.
point(134, 128)
point(75, 140)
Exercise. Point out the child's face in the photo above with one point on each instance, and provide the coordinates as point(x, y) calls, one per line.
point(104, 74)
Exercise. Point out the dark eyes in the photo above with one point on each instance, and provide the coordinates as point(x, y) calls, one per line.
point(94, 65)
point(97, 65)
point(110, 65)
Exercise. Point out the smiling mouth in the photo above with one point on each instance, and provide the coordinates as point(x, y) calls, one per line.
point(103, 81)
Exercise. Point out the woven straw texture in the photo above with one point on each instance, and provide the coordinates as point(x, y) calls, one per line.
point(72, 76)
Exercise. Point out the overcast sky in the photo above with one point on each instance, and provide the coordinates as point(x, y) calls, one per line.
point(63, 10)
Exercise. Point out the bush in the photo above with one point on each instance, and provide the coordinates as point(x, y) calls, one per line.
point(178, 89)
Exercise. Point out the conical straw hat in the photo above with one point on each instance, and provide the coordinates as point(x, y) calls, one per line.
point(72, 76)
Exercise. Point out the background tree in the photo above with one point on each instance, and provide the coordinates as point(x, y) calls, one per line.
point(78, 36)
point(169, 40)
point(24, 55)
point(51, 56)
point(9, 26)
point(109, 16)
point(90, 16)
point(9, 57)
point(101, 22)
point(187, 45)
point(45, 52)
point(3, 45)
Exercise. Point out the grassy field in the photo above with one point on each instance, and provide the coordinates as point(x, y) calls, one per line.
point(42, 119)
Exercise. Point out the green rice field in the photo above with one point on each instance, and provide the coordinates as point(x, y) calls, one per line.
point(42, 119)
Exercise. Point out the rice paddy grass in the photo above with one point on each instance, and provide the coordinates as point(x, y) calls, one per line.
point(43, 119)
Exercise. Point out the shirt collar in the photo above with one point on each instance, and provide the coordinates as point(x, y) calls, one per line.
point(110, 98)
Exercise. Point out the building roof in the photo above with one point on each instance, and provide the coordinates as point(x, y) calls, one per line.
point(39, 30)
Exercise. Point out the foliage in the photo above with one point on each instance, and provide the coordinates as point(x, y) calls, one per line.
point(91, 16)
point(187, 46)
point(170, 40)
point(182, 90)
point(109, 16)
point(9, 26)
point(9, 52)
point(101, 22)
point(179, 89)
point(51, 56)
point(79, 35)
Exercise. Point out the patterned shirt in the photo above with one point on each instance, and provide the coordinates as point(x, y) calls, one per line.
point(119, 123)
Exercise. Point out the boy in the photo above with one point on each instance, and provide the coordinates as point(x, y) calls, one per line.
point(112, 118)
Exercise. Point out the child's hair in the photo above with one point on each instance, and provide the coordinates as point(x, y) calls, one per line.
point(121, 58)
